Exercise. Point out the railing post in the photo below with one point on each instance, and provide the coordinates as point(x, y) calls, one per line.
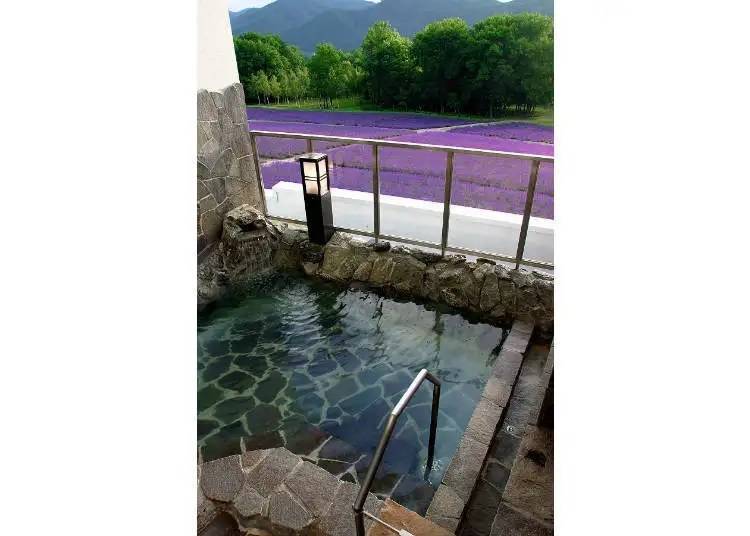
point(309, 145)
point(527, 212)
point(256, 162)
point(433, 428)
point(447, 201)
point(376, 192)
point(390, 425)
point(377, 457)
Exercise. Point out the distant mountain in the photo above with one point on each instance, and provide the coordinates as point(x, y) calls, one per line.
point(283, 15)
point(344, 23)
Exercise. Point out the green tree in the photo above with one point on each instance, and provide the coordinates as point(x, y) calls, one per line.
point(386, 65)
point(330, 73)
point(440, 53)
point(257, 53)
point(510, 63)
point(534, 63)
point(274, 88)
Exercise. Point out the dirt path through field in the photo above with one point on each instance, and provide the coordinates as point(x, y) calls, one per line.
point(448, 129)
point(416, 131)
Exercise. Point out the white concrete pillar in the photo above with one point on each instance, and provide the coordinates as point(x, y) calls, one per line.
point(217, 66)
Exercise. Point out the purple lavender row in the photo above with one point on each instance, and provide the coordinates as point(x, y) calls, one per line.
point(512, 131)
point(497, 196)
point(285, 148)
point(375, 119)
point(507, 173)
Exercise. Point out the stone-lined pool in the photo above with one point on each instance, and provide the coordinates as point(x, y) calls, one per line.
point(317, 368)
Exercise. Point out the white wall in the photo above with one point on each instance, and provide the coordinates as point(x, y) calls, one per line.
point(217, 66)
point(471, 228)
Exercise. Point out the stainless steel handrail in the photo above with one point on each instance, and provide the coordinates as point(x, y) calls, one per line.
point(403, 145)
point(390, 424)
point(450, 151)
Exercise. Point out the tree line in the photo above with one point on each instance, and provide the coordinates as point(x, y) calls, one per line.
point(502, 63)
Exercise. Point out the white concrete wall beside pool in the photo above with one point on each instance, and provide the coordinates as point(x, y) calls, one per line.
point(217, 66)
point(471, 228)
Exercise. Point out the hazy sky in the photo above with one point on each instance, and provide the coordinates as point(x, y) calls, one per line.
point(236, 5)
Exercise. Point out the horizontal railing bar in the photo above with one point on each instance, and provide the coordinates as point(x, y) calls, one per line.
point(432, 245)
point(404, 145)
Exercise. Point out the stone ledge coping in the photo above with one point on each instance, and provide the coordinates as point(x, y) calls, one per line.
point(454, 492)
point(509, 521)
point(404, 519)
point(544, 383)
point(491, 291)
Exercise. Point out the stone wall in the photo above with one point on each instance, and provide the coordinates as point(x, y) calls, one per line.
point(226, 172)
point(492, 291)
point(251, 243)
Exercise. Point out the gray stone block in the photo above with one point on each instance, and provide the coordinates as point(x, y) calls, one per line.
point(222, 164)
point(239, 141)
point(221, 479)
point(489, 297)
point(211, 225)
point(234, 103)
point(202, 190)
point(508, 522)
point(446, 504)
point(517, 341)
point(206, 510)
point(484, 421)
point(247, 171)
point(206, 107)
point(249, 502)
point(549, 365)
point(447, 523)
point(203, 133)
point(523, 326)
point(507, 365)
point(218, 99)
point(206, 204)
point(211, 130)
point(217, 188)
point(251, 458)
point(226, 125)
point(314, 486)
point(465, 466)
point(240, 192)
point(339, 520)
point(202, 172)
point(272, 470)
point(209, 152)
point(285, 511)
point(498, 391)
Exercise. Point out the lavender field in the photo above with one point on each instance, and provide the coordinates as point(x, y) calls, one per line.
point(497, 184)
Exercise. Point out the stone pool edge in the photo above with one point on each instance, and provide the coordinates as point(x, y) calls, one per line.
point(453, 495)
point(251, 243)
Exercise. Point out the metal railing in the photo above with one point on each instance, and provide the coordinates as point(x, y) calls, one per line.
point(450, 151)
point(390, 424)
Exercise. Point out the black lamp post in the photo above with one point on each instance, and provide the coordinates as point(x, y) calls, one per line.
point(317, 193)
